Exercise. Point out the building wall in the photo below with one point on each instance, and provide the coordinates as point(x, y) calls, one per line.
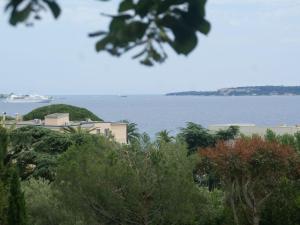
point(61, 121)
point(120, 132)
point(100, 127)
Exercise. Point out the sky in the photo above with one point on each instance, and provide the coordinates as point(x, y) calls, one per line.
point(252, 42)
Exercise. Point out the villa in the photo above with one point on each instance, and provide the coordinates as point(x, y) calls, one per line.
point(58, 121)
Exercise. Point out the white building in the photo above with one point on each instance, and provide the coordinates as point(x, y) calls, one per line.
point(58, 121)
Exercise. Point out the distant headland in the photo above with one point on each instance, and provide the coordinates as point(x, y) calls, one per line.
point(244, 91)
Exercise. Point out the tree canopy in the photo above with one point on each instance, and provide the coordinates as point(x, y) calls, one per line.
point(112, 184)
point(16, 209)
point(12, 202)
point(76, 113)
point(197, 137)
point(36, 150)
point(144, 25)
point(78, 178)
point(250, 169)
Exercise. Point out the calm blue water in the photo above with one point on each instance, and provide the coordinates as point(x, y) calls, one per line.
point(154, 113)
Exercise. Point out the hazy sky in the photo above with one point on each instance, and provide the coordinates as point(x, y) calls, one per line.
point(252, 42)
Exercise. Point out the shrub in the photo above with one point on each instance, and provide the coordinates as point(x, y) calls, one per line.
point(76, 113)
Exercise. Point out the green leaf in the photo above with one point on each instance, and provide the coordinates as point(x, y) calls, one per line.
point(166, 4)
point(100, 45)
point(137, 29)
point(54, 7)
point(118, 22)
point(126, 5)
point(143, 7)
point(185, 36)
point(20, 16)
point(147, 62)
point(195, 17)
point(185, 40)
point(204, 27)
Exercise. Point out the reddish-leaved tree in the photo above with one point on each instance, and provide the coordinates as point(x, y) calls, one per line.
point(249, 170)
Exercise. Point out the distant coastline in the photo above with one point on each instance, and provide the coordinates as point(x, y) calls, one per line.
point(244, 91)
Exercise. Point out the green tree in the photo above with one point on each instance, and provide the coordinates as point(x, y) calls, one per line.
point(36, 150)
point(292, 140)
point(164, 137)
point(228, 134)
point(132, 131)
point(43, 205)
point(76, 130)
point(270, 135)
point(3, 202)
point(250, 171)
point(147, 25)
point(287, 139)
point(196, 136)
point(112, 184)
point(76, 113)
point(16, 208)
point(3, 171)
point(283, 207)
point(3, 147)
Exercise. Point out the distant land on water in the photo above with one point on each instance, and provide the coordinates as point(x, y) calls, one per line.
point(244, 91)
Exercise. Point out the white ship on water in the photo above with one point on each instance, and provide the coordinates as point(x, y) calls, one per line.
point(13, 98)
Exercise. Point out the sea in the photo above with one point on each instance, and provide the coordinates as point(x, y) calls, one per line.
point(153, 113)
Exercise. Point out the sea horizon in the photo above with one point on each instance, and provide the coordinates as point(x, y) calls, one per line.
point(154, 113)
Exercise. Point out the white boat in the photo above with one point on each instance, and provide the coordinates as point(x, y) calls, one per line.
point(13, 98)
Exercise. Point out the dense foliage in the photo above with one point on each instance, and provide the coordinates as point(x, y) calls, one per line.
point(36, 150)
point(44, 206)
point(283, 206)
point(76, 113)
point(12, 202)
point(76, 178)
point(250, 170)
point(145, 25)
point(132, 131)
point(196, 136)
point(129, 186)
point(16, 202)
point(3, 177)
point(292, 140)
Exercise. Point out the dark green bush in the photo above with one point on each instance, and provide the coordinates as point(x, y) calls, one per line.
point(76, 113)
